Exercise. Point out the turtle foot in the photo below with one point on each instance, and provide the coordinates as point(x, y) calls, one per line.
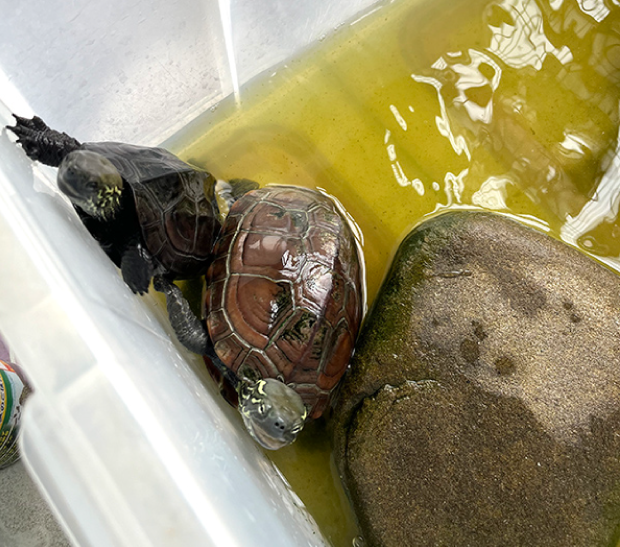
point(190, 329)
point(137, 268)
point(42, 143)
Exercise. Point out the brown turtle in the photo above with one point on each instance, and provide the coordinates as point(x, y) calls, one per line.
point(283, 307)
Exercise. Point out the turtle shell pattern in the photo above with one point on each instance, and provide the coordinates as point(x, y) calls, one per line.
point(285, 291)
point(174, 203)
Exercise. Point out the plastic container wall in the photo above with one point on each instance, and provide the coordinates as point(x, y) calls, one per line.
point(139, 71)
point(125, 436)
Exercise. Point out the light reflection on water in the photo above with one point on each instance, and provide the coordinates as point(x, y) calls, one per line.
point(481, 112)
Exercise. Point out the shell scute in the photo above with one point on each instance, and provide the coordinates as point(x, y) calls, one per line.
point(218, 325)
point(352, 305)
point(277, 219)
point(270, 255)
point(264, 305)
point(243, 309)
point(323, 244)
point(316, 287)
point(230, 350)
point(284, 365)
point(177, 219)
point(343, 343)
point(294, 338)
point(255, 366)
point(333, 309)
point(222, 245)
point(218, 269)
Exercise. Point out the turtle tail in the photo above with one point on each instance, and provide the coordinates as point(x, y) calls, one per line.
point(42, 143)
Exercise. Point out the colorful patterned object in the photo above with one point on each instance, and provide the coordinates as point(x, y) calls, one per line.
point(13, 392)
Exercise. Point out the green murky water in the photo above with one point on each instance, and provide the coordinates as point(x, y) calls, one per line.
point(422, 106)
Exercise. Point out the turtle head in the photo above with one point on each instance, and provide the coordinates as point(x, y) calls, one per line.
point(91, 182)
point(273, 413)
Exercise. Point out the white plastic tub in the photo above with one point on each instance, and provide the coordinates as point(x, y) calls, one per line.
point(128, 442)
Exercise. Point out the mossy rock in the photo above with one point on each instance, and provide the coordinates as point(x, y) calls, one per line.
point(483, 403)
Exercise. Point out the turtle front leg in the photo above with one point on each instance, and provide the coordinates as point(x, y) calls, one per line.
point(42, 143)
point(137, 267)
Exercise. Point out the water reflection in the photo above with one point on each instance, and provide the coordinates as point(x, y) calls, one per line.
point(444, 125)
point(519, 38)
point(595, 8)
point(540, 94)
point(601, 208)
point(492, 194)
point(474, 78)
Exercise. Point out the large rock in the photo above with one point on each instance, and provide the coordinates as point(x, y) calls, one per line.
point(483, 406)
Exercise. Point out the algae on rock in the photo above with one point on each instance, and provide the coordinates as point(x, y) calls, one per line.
point(483, 403)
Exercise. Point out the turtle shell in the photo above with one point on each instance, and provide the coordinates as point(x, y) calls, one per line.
point(284, 296)
point(174, 203)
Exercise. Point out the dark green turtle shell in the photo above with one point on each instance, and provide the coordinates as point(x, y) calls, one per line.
point(174, 202)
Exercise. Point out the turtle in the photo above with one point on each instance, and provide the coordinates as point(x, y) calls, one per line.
point(283, 305)
point(152, 213)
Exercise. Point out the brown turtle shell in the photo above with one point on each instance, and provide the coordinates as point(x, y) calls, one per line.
point(174, 203)
point(285, 296)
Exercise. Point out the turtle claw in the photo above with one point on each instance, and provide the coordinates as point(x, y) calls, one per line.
point(35, 123)
point(28, 130)
point(40, 142)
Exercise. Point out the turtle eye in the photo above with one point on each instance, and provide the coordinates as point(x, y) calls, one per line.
point(262, 409)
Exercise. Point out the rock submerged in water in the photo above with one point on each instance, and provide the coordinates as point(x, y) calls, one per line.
point(483, 404)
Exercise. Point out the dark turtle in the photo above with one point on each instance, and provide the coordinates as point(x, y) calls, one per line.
point(151, 212)
point(283, 307)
